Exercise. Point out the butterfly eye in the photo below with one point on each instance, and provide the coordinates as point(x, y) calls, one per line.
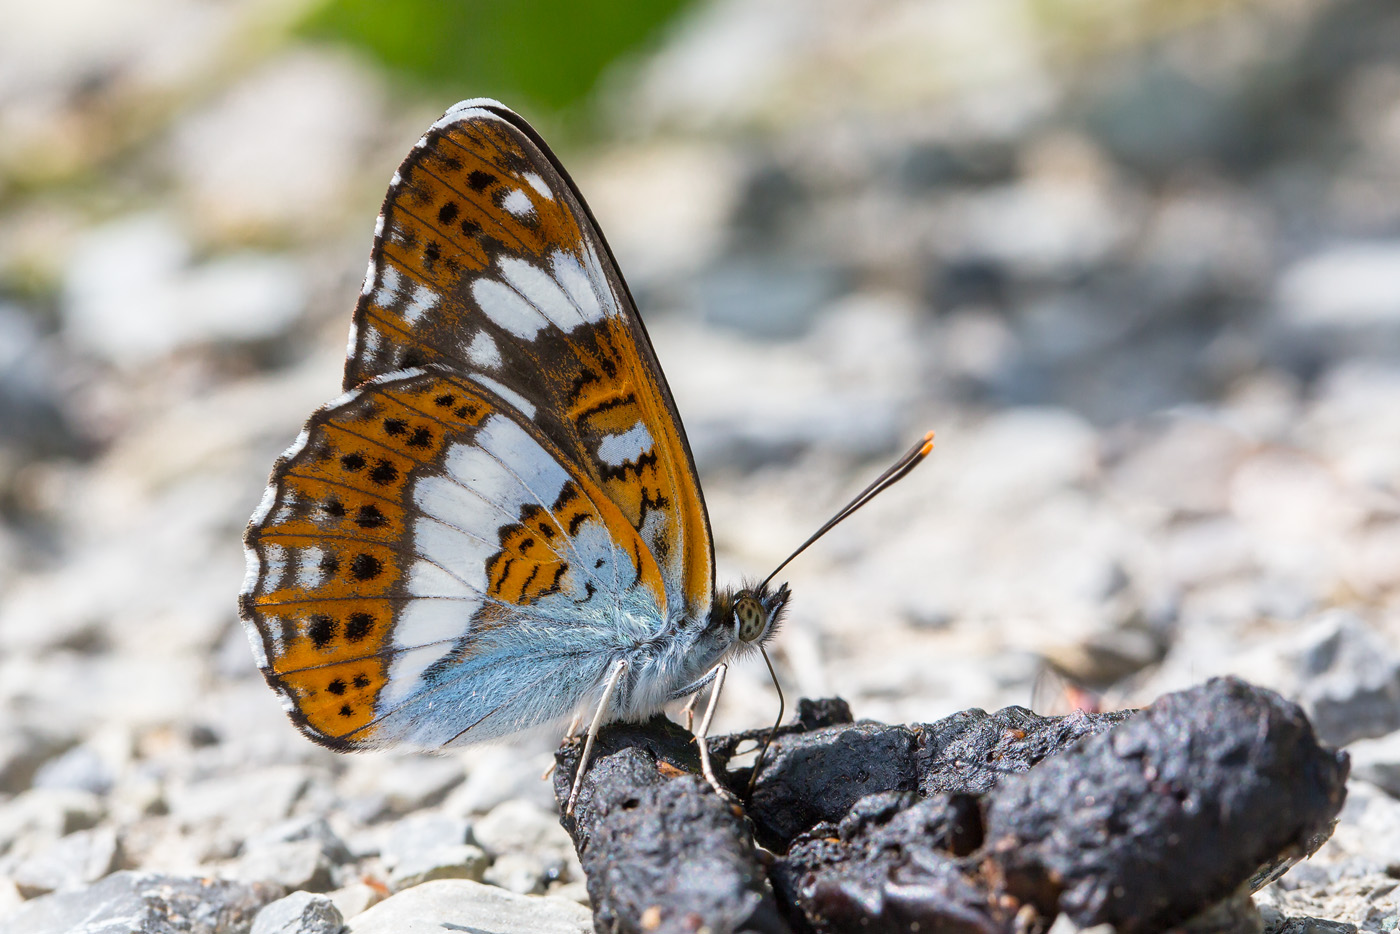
point(751, 618)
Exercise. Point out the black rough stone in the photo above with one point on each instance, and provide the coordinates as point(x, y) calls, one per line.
point(972, 751)
point(1170, 812)
point(818, 776)
point(662, 852)
point(889, 866)
point(976, 824)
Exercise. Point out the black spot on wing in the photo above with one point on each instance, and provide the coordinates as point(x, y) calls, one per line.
point(384, 473)
point(364, 567)
point(369, 517)
point(358, 626)
point(321, 630)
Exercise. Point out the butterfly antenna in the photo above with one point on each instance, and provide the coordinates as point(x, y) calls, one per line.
point(896, 472)
point(768, 741)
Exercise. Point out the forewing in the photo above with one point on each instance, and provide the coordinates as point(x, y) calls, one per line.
point(426, 567)
point(486, 259)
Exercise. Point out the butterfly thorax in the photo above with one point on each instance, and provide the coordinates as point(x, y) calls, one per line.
point(671, 661)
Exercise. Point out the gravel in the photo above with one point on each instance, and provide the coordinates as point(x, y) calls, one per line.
point(1137, 270)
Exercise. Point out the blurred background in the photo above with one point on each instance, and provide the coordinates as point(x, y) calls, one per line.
point(1137, 263)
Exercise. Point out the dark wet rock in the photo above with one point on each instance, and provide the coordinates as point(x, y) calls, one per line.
point(888, 866)
point(1234, 915)
point(817, 775)
point(662, 851)
point(147, 903)
point(1168, 813)
point(985, 822)
point(972, 751)
point(823, 711)
point(898, 889)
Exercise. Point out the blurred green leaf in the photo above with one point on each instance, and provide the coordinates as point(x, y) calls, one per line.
point(545, 53)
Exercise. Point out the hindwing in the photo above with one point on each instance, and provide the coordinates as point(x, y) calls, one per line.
point(487, 260)
point(422, 561)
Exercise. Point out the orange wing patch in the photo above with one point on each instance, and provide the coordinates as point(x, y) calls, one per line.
point(526, 568)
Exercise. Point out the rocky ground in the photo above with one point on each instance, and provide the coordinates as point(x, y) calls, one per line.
point(1139, 266)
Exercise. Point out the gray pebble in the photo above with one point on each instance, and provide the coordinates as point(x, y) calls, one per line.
point(136, 901)
point(483, 909)
point(1350, 680)
point(410, 783)
point(73, 861)
point(1378, 762)
point(293, 864)
point(422, 833)
point(307, 828)
point(22, 752)
point(516, 826)
point(80, 768)
point(50, 813)
point(354, 898)
point(254, 800)
point(299, 913)
point(462, 861)
point(524, 873)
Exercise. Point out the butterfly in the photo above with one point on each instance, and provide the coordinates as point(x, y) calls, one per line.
point(498, 525)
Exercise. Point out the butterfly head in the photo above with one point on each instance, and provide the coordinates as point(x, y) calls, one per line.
point(752, 614)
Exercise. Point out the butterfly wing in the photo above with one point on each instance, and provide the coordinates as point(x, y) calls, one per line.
point(425, 566)
point(486, 259)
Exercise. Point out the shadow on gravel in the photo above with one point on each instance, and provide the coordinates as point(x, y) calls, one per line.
point(976, 823)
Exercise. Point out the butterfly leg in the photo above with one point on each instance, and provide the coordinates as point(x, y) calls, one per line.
point(688, 711)
point(702, 740)
point(568, 735)
point(593, 729)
